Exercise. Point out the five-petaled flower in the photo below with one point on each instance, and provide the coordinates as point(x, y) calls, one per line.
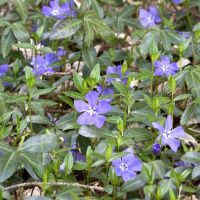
point(150, 17)
point(42, 65)
point(59, 11)
point(116, 71)
point(169, 136)
point(128, 165)
point(164, 67)
point(3, 70)
point(93, 110)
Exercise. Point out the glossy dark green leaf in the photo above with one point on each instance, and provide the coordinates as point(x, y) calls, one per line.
point(40, 143)
point(134, 184)
point(65, 29)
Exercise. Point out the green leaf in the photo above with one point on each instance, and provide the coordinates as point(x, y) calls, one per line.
point(65, 29)
point(124, 17)
point(191, 157)
point(8, 165)
point(32, 163)
point(95, 73)
point(89, 57)
point(182, 97)
point(4, 22)
point(20, 32)
point(21, 7)
point(78, 81)
point(196, 172)
point(187, 114)
point(38, 119)
point(88, 132)
point(25, 46)
point(121, 88)
point(17, 98)
point(93, 24)
point(97, 7)
point(158, 168)
point(40, 143)
point(30, 79)
point(74, 95)
point(172, 84)
point(7, 40)
point(134, 184)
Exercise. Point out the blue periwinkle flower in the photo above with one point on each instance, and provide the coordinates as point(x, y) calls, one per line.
point(164, 67)
point(128, 165)
point(59, 11)
point(118, 72)
point(150, 17)
point(3, 70)
point(93, 110)
point(42, 65)
point(169, 136)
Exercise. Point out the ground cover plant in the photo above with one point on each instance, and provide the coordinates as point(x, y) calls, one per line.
point(99, 99)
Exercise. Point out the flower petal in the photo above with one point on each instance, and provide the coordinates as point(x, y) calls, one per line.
point(158, 72)
point(46, 10)
point(136, 164)
point(118, 171)
point(81, 106)
point(178, 132)
point(158, 127)
point(92, 98)
point(98, 120)
point(103, 107)
point(158, 64)
point(116, 162)
point(128, 175)
point(168, 123)
point(165, 60)
point(51, 58)
point(84, 119)
point(173, 143)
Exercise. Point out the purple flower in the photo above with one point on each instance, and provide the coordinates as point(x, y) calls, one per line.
point(118, 72)
point(92, 110)
point(77, 155)
point(182, 164)
point(59, 11)
point(186, 35)
point(169, 136)
point(42, 64)
point(156, 148)
point(176, 1)
point(3, 70)
point(164, 67)
point(128, 165)
point(150, 17)
point(105, 91)
point(61, 52)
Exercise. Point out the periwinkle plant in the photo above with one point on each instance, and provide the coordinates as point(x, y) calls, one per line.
point(82, 114)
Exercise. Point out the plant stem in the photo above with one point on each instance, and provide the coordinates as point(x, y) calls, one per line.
point(30, 111)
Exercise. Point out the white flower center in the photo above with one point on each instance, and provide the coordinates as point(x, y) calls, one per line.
point(55, 12)
point(150, 19)
point(165, 67)
point(123, 166)
point(92, 110)
point(166, 133)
